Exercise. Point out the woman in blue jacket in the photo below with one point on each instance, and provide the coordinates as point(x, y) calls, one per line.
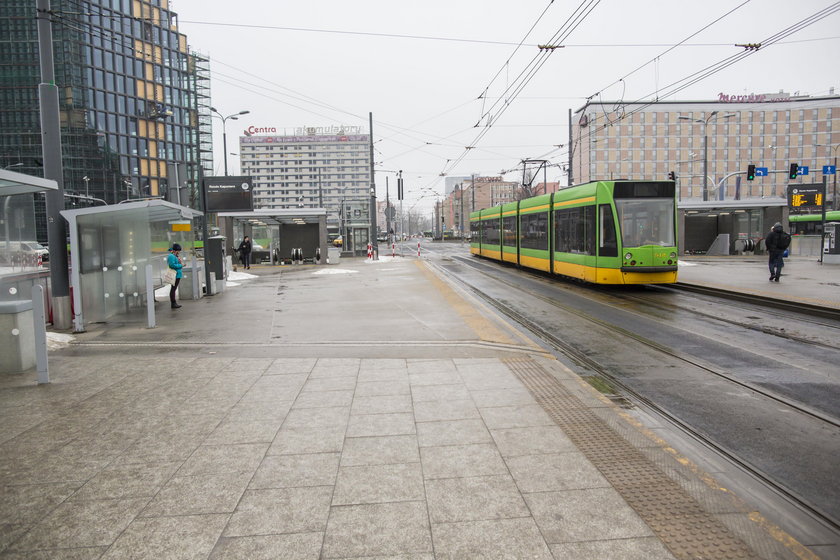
point(173, 259)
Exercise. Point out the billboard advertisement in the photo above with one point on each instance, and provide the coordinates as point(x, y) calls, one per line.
point(228, 194)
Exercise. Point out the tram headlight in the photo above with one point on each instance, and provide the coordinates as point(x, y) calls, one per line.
point(673, 255)
point(628, 256)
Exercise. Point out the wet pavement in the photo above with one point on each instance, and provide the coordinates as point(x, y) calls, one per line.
point(348, 411)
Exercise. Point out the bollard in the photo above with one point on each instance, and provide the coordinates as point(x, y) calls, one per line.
point(370, 251)
point(418, 249)
point(40, 320)
point(150, 298)
point(393, 249)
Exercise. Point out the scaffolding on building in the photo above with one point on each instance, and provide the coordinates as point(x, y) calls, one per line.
point(202, 123)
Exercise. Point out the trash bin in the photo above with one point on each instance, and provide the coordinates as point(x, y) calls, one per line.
point(186, 289)
point(17, 328)
point(333, 255)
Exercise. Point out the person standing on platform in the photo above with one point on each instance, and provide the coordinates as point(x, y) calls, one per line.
point(777, 241)
point(173, 259)
point(245, 252)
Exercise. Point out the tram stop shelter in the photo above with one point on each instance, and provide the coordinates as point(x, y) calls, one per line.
point(281, 231)
point(22, 258)
point(726, 227)
point(110, 247)
point(21, 269)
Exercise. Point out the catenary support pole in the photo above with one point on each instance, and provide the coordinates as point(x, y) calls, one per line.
point(372, 194)
point(51, 154)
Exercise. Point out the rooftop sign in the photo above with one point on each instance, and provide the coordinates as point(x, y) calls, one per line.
point(753, 98)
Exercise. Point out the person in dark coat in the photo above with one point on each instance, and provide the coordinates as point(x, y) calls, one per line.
point(245, 252)
point(776, 242)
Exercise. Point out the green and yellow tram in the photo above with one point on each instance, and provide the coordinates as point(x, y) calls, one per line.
point(811, 224)
point(604, 232)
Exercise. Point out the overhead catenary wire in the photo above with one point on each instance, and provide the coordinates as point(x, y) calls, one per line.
point(672, 88)
point(571, 23)
point(675, 87)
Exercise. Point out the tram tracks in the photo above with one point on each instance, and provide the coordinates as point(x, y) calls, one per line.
point(599, 371)
point(778, 309)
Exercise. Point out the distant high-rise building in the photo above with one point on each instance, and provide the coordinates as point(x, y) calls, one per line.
point(323, 167)
point(133, 100)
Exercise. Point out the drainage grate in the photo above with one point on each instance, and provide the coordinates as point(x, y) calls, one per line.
point(677, 519)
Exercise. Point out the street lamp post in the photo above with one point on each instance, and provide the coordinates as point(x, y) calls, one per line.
point(705, 123)
point(834, 188)
point(233, 117)
point(86, 179)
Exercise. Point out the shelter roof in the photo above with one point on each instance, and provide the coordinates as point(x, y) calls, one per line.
point(12, 183)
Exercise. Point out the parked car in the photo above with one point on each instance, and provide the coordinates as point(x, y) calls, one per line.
point(338, 241)
point(26, 250)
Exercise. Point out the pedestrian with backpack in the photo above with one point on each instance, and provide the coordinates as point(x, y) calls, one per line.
point(777, 241)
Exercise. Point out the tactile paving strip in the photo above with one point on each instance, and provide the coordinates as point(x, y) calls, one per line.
point(685, 528)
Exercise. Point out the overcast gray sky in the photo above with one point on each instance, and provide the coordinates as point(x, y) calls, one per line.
point(431, 71)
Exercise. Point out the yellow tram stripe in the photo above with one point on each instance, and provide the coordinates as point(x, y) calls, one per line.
point(534, 209)
point(576, 201)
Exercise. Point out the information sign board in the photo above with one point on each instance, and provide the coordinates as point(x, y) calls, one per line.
point(228, 193)
point(805, 198)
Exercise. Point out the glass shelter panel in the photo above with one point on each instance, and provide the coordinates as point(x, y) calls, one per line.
point(114, 249)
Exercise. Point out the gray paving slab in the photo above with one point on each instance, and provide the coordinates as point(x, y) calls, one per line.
point(496, 539)
point(452, 432)
point(281, 510)
point(304, 433)
point(377, 530)
point(295, 546)
point(286, 471)
point(370, 484)
point(396, 424)
point(474, 498)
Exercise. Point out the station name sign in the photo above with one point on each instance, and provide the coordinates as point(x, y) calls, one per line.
point(228, 194)
point(806, 198)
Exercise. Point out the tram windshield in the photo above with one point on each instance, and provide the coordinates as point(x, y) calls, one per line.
point(646, 221)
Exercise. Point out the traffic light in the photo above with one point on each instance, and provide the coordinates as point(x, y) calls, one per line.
point(750, 172)
point(794, 170)
point(672, 176)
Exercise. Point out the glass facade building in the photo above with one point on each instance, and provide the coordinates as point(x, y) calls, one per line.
point(133, 100)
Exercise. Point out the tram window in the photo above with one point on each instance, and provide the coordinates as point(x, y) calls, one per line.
point(646, 221)
point(534, 231)
point(574, 230)
point(490, 231)
point(509, 237)
point(608, 242)
point(588, 234)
